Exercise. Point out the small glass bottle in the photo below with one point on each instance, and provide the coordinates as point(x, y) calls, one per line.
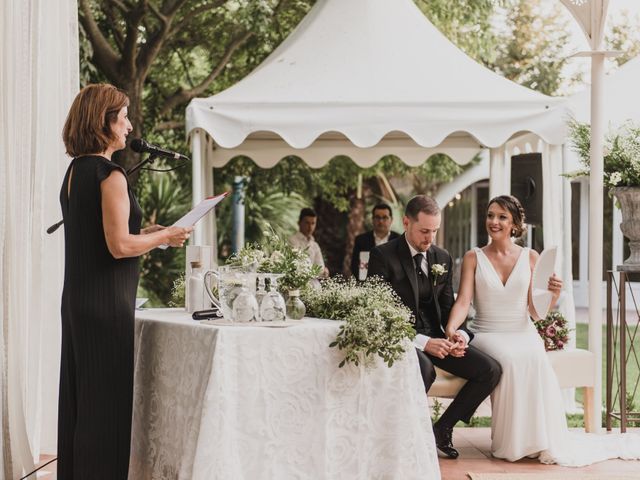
point(295, 306)
point(196, 288)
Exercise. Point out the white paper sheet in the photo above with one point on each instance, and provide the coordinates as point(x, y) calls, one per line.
point(197, 212)
point(542, 270)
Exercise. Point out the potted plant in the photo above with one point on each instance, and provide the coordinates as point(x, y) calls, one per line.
point(621, 175)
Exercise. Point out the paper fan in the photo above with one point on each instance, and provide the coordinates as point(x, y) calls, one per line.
point(543, 269)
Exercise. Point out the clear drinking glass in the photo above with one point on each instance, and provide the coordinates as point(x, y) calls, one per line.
point(273, 308)
point(245, 306)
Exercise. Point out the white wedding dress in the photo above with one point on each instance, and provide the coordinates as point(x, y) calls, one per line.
point(528, 417)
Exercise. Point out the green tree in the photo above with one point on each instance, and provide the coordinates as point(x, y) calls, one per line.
point(163, 53)
point(532, 50)
point(625, 37)
point(466, 23)
point(164, 201)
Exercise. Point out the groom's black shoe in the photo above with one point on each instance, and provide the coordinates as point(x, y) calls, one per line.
point(443, 440)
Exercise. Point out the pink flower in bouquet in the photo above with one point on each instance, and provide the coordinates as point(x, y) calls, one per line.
point(550, 331)
point(560, 344)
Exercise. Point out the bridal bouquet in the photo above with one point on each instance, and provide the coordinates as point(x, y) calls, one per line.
point(376, 321)
point(553, 330)
point(276, 255)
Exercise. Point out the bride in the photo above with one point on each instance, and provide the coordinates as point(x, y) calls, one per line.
point(528, 418)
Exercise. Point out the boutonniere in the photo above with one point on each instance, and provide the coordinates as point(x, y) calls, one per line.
point(438, 269)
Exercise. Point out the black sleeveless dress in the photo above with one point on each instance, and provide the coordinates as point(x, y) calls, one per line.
point(98, 301)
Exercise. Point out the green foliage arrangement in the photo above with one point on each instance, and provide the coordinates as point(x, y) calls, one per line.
point(376, 320)
point(276, 255)
point(553, 331)
point(164, 201)
point(621, 153)
point(177, 292)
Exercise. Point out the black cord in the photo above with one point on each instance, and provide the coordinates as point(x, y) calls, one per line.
point(41, 466)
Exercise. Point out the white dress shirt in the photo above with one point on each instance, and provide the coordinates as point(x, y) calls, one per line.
point(298, 240)
point(420, 340)
point(381, 240)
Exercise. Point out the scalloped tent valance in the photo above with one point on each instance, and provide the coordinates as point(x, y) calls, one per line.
point(365, 68)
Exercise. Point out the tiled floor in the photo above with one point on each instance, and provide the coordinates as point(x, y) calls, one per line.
point(474, 445)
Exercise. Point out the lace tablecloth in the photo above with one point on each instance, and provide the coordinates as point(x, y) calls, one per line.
point(255, 403)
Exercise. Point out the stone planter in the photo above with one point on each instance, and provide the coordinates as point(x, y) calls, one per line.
point(629, 198)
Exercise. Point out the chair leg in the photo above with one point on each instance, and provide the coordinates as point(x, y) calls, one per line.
point(588, 409)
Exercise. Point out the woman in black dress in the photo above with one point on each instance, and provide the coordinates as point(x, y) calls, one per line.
point(102, 243)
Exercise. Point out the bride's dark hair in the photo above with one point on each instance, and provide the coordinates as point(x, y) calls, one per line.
point(514, 207)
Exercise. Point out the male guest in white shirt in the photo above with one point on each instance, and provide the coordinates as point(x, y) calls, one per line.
point(364, 243)
point(303, 238)
point(420, 273)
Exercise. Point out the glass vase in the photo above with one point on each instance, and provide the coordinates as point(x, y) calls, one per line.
point(295, 306)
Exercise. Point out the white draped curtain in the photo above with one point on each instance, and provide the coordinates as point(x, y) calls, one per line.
point(38, 80)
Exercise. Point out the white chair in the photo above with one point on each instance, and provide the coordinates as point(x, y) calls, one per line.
point(574, 368)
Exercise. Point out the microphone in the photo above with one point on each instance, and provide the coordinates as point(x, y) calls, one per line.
point(141, 146)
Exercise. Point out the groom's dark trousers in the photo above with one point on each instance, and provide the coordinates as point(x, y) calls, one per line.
point(430, 298)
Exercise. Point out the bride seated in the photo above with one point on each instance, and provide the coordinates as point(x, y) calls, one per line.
point(528, 418)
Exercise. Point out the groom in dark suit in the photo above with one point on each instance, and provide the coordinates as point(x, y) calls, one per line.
point(420, 273)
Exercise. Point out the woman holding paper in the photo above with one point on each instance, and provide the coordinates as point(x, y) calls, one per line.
point(102, 242)
point(528, 418)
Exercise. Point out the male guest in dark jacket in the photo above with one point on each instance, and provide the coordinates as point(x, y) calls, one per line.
point(420, 273)
point(381, 233)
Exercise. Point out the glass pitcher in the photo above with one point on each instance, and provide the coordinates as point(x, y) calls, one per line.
point(235, 282)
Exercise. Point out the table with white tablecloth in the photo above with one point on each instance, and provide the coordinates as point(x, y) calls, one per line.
point(259, 403)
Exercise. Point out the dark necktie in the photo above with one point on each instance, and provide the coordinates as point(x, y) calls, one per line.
point(418, 258)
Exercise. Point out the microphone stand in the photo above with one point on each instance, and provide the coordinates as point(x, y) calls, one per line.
point(150, 159)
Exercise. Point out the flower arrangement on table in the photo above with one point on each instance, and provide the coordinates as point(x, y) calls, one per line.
point(621, 153)
point(278, 256)
point(553, 330)
point(376, 320)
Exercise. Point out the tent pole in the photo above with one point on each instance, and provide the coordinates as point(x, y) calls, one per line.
point(596, 187)
point(196, 180)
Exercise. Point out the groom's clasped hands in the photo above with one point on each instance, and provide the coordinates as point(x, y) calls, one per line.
point(454, 345)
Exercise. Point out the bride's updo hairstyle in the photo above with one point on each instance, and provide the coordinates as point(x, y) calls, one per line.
point(514, 207)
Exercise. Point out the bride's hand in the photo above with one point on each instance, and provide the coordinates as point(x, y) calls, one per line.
point(459, 345)
point(449, 332)
point(554, 285)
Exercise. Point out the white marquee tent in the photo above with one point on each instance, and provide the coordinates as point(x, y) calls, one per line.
point(340, 84)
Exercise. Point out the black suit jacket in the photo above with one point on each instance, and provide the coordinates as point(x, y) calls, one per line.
point(365, 243)
point(393, 262)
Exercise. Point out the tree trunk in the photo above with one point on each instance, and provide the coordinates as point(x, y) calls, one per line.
point(330, 234)
point(127, 158)
point(355, 226)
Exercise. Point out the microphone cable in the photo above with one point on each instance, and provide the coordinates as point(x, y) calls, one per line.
point(41, 466)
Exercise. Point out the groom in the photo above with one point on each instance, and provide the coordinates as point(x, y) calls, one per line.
point(420, 273)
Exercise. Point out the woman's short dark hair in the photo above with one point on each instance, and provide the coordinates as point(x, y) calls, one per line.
point(87, 129)
point(421, 203)
point(382, 206)
point(512, 205)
